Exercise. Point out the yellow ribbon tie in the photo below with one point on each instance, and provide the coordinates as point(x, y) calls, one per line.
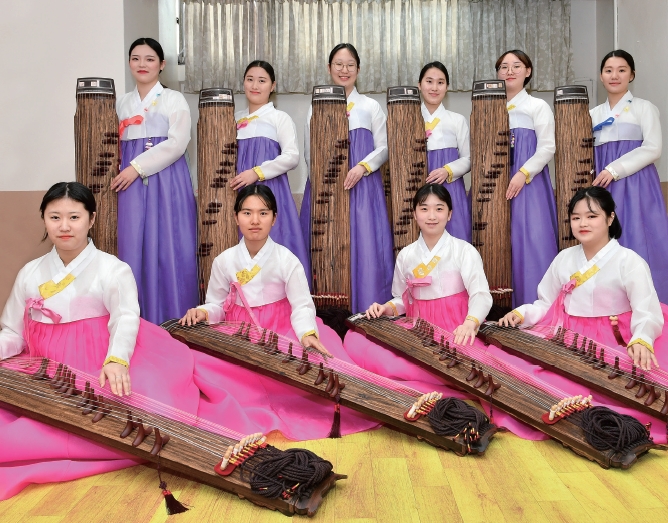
point(48, 289)
point(423, 270)
point(429, 126)
point(581, 278)
point(243, 277)
point(350, 106)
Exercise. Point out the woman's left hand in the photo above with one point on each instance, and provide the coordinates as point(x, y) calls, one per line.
point(515, 186)
point(243, 179)
point(465, 331)
point(642, 357)
point(354, 175)
point(124, 179)
point(314, 343)
point(118, 376)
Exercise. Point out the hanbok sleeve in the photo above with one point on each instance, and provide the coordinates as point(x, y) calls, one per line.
point(166, 153)
point(475, 281)
point(11, 321)
point(648, 152)
point(216, 292)
point(548, 291)
point(121, 300)
point(398, 286)
point(289, 157)
point(297, 291)
point(461, 165)
point(646, 315)
point(543, 121)
point(373, 161)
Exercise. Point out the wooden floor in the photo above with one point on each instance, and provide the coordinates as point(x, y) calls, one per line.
point(391, 478)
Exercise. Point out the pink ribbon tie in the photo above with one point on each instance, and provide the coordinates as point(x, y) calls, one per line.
point(408, 297)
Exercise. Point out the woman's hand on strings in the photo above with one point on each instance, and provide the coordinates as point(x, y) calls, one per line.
point(377, 310)
point(510, 320)
point(603, 179)
point(241, 180)
point(465, 331)
point(193, 317)
point(438, 176)
point(314, 343)
point(642, 357)
point(118, 376)
point(124, 179)
point(515, 186)
point(354, 175)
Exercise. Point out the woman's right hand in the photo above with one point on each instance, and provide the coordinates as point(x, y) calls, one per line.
point(192, 317)
point(377, 310)
point(510, 320)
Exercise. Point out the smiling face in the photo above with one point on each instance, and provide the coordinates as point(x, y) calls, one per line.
point(432, 216)
point(433, 86)
point(145, 65)
point(258, 86)
point(616, 75)
point(589, 222)
point(255, 219)
point(67, 224)
point(343, 69)
point(514, 72)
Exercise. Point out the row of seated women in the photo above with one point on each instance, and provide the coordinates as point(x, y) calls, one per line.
point(157, 214)
point(79, 306)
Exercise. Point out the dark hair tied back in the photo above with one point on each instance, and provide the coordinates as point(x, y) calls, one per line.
point(432, 188)
point(72, 190)
point(264, 65)
point(604, 200)
point(436, 65)
point(620, 53)
point(152, 43)
point(350, 48)
point(523, 57)
point(261, 191)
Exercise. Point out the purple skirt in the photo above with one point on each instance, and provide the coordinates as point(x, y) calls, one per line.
point(641, 211)
point(371, 258)
point(253, 152)
point(460, 224)
point(533, 224)
point(157, 236)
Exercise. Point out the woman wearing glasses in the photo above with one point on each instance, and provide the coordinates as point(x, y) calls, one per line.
point(372, 262)
point(533, 208)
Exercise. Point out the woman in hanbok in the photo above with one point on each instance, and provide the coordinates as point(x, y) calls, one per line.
point(628, 141)
point(371, 241)
point(157, 216)
point(261, 282)
point(596, 288)
point(267, 140)
point(78, 306)
point(448, 154)
point(438, 278)
point(533, 208)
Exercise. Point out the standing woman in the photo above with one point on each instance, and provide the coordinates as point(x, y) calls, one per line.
point(628, 142)
point(267, 140)
point(157, 217)
point(533, 208)
point(448, 154)
point(371, 255)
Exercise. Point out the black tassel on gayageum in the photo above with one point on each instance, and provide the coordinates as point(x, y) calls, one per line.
point(275, 473)
point(606, 430)
point(452, 416)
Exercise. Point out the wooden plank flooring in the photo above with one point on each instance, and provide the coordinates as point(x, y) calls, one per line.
point(392, 479)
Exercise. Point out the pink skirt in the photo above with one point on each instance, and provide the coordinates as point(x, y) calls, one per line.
point(33, 452)
point(448, 313)
point(599, 330)
point(248, 402)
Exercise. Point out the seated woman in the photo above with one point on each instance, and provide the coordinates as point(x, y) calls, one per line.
point(595, 288)
point(438, 278)
point(82, 310)
point(262, 282)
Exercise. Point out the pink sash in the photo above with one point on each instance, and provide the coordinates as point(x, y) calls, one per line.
point(407, 296)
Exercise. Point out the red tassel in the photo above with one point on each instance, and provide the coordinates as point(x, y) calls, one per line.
point(171, 503)
point(336, 423)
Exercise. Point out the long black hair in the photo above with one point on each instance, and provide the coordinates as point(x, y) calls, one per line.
point(620, 53)
point(261, 191)
point(72, 190)
point(432, 188)
point(523, 57)
point(604, 200)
